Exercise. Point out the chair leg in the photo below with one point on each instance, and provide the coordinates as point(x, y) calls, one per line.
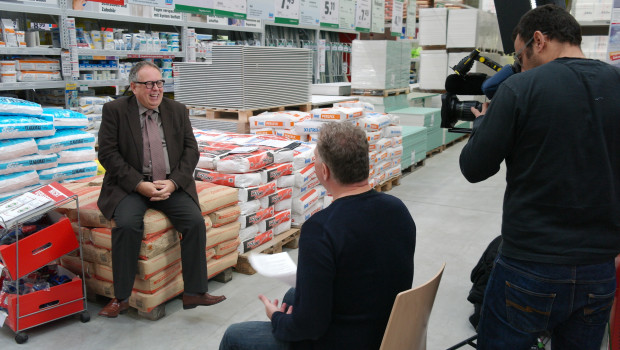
point(468, 341)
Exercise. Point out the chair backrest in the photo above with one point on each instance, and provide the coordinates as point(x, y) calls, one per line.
point(406, 328)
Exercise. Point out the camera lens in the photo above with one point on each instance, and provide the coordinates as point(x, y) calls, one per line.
point(463, 110)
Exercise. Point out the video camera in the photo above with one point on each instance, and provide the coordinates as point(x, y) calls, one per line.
point(462, 83)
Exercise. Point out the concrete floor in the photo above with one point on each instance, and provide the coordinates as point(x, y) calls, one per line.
point(455, 222)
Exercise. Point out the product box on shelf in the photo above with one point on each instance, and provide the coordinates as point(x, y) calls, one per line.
point(40, 248)
point(46, 305)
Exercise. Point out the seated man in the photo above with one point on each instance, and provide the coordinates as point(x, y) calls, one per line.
point(355, 256)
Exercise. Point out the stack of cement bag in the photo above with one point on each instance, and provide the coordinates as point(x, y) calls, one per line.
point(159, 265)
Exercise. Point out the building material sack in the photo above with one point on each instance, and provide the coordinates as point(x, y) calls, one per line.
point(304, 156)
point(249, 207)
point(304, 203)
point(65, 139)
point(94, 100)
point(15, 106)
point(16, 127)
point(77, 155)
point(308, 127)
point(286, 181)
point(395, 152)
point(381, 145)
point(373, 136)
point(217, 235)
point(245, 160)
point(305, 175)
point(276, 197)
point(65, 118)
point(84, 231)
point(300, 191)
point(278, 218)
point(67, 171)
point(16, 181)
point(274, 172)
point(397, 141)
point(158, 280)
point(337, 114)
point(74, 264)
point(277, 120)
point(321, 190)
point(147, 302)
point(256, 217)
point(96, 255)
point(148, 268)
point(230, 180)
point(248, 232)
point(298, 219)
point(292, 134)
point(367, 107)
point(281, 228)
point(255, 242)
point(227, 247)
point(263, 131)
point(15, 148)
point(210, 253)
point(213, 197)
point(215, 266)
point(256, 192)
point(374, 121)
point(30, 162)
point(225, 216)
point(392, 131)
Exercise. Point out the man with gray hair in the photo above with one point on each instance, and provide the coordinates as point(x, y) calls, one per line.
point(148, 149)
point(355, 256)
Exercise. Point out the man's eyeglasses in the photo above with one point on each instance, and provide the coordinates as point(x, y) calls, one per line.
point(517, 55)
point(151, 84)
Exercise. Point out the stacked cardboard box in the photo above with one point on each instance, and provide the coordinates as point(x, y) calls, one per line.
point(159, 265)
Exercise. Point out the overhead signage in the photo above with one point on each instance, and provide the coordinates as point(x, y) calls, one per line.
point(377, 24)
point(287, 11)
point(329, 13)
point(362, 16)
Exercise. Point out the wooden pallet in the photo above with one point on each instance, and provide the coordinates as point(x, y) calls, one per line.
point(414, 167)
point(387, 185)
point(159, 311)
point(243, 115)
point(434, 47)
point(288, 239)
point(455, 141)
point(435, 151)
point(379, 92)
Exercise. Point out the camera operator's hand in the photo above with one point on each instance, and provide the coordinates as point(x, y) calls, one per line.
point(478, 113)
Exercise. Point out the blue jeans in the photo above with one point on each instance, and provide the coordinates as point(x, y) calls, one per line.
point(523, 299)
point(255, 335)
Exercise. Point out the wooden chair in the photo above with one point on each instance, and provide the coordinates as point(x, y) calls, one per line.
point(408, 323)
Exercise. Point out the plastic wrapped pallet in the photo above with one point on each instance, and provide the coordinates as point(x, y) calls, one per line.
point(433, 24)
point(379, 64)
point(433, 69)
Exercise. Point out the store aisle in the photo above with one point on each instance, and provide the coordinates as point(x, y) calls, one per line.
point(455, 220)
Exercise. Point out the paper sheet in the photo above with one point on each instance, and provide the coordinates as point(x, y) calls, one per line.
point(279, 266)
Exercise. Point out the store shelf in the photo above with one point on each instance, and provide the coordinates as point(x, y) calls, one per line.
point(102, 69)
point(29, 51)
point(129, 53)
point(311, 27)
point(594, 23)
point(33, 85)
point(99, 83)
point(122, 18)
point(204, 25)
point(28, 8)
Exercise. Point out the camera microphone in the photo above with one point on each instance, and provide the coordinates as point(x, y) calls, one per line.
point(470, 84)
point(490, 86)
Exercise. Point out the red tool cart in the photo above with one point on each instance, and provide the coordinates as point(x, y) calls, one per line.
point(40, 250)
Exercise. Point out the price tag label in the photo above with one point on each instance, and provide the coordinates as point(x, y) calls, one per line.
point(362, 16)
point(83, 87)
point(329, 13)
point(230, 8)
point(397, 18)
point(287, 11)
point(411, 25)
point(377, 24)
point(346, 14)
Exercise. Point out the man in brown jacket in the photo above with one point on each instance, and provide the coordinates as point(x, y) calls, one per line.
point(148, 149)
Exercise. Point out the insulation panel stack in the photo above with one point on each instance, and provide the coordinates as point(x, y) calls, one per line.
point(380, 64)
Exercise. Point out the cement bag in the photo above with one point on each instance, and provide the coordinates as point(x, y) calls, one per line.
point(394, 119)
point(227, 247)
point(395, 152)
point(31, 162)
point(314, 138)
point(283, 227)
point(300, 191)
point(368, 107)
point(15, 181)
point(286, 181)
point(303, 203)
point(252, 159)
point(250, 219)
point(77, 155)
point(230, 180)
point(215, 266)
point(225, 216)
point(305, 175)
point(15, 148)
point(373, 136)
point(298, 219)
point(397, 141)
point(64, 118)
point(68, 171)
point(278, 218)
point(249, 207)
point(292, 134)
point(321, 190)
point(382, 166)
point(372, 158)
point(15, 106)
point(213, 197)
point(65, 139)
point(8, 195)
point(210, 253)
point(337, 114)
point(150, 267)
point(217, 235)
point(94, 100)
point(277, 120)
point(147, 302)
point(248, 232)
point(276, 197)
point(284, 204)
point(255, 242)
point(274, 172)
point(393, 172)
point(382, 144)
point(374, 121)
point(303, 156)
point(307, 127)
point(158, 280)
point(392, 131)
point(97, 255)
point(16, 127)
point(263, 131)
point(256, 192)
point(283, 155)
point(383, 155)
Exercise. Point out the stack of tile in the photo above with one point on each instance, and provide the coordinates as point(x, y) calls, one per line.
point(380, 64)
point(433, 26)
point(427, 117)
point(159, 265)
point(414, 145)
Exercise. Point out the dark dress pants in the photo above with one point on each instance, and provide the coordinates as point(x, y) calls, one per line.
point(186, 218)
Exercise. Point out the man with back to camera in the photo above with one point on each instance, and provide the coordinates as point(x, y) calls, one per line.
point(557, 126)
point(148, 149)
point(355, 256)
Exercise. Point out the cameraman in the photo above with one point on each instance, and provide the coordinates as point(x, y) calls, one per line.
point(557, 126)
